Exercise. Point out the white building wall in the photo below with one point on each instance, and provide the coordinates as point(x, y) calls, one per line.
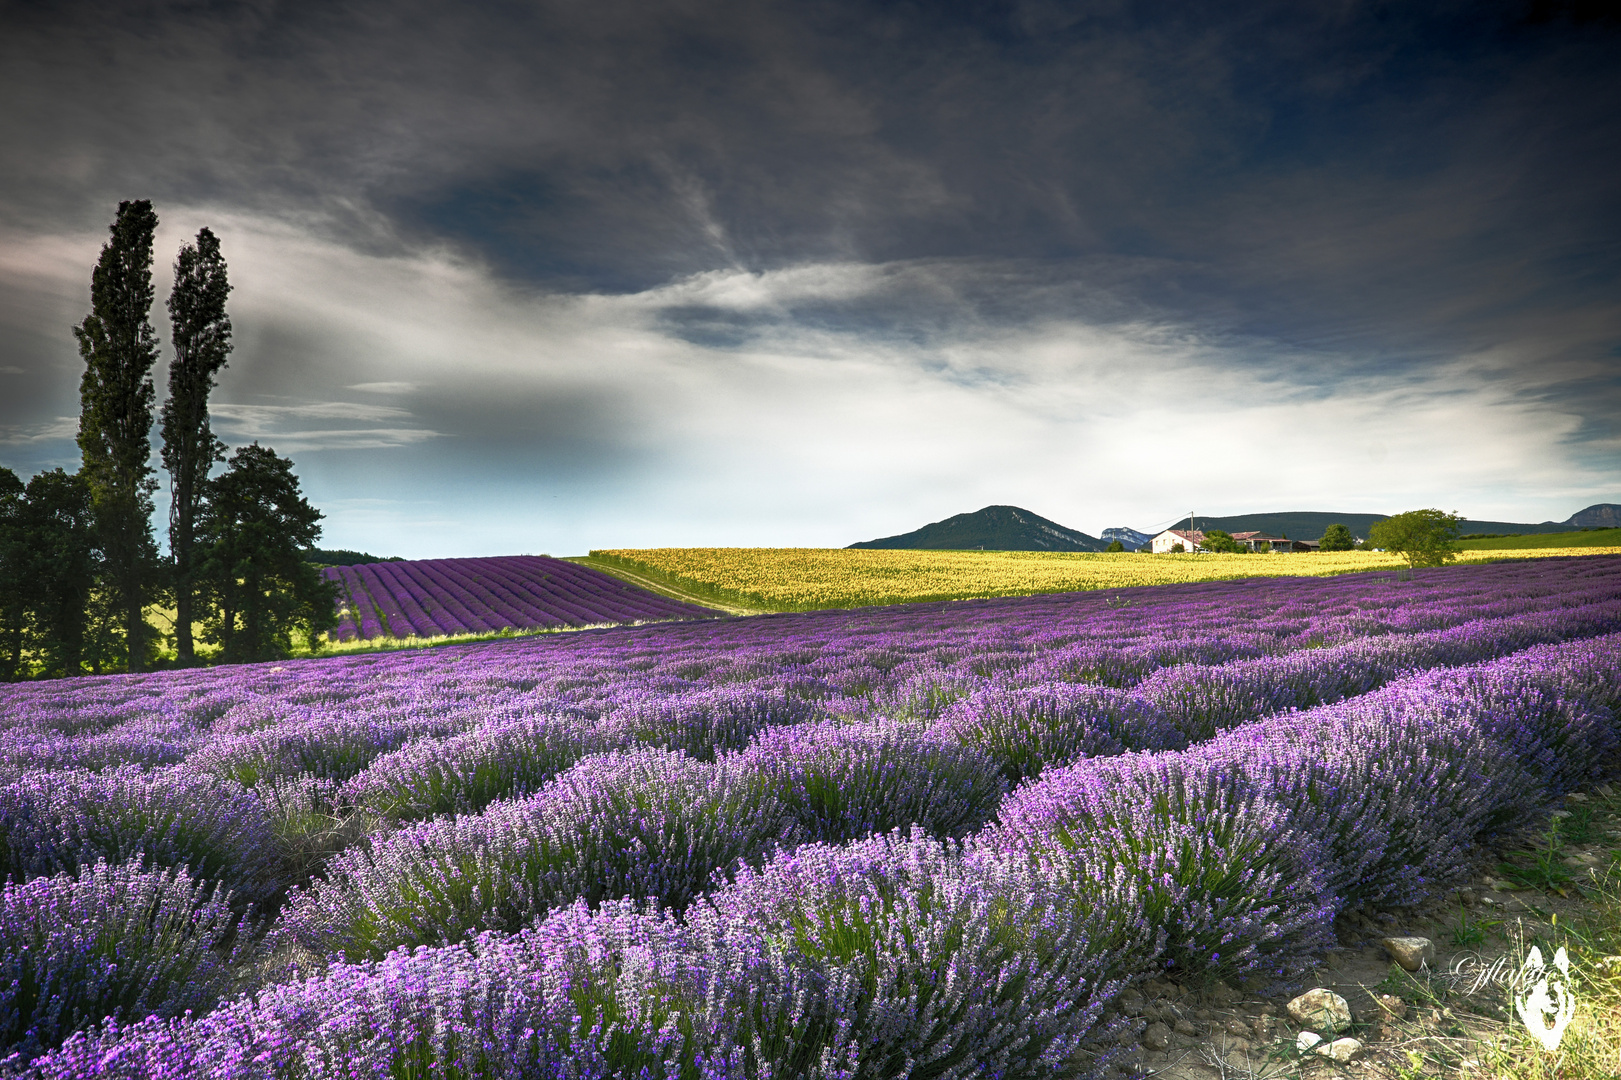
point(1166, 540)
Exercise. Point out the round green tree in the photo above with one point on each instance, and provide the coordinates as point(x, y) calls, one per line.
point(1337, 537)
point(1425, 537)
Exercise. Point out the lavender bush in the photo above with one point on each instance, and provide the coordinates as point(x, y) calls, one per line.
point(60, 821)
point(114, 941)
point(466, 772)
point(1394, 800)
point(844, 781)
point(318, 744)
point(919, 962)
point(647, 823)
point(1222, 870)
point(1027, 729)
point(704, 723)
point(588, 995)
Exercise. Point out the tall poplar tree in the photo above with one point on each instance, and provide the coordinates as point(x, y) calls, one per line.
point(201, 333)
point(115, 421)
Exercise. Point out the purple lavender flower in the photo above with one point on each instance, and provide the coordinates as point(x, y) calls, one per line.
point(464, 773)
point(704, 723)
point(844, 781)
point(645, 823)
point(1226, 874)
point(1027, 729)
point(52, 822)
point(916, 960)
point(114, 941)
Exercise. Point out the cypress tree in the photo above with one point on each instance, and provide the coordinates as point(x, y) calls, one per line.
point(201, 333)
point(115, 422)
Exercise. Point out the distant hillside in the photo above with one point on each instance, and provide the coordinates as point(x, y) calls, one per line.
point(995, 528)
point(1597, 516)
point(1131, 539)
point(1309, 524)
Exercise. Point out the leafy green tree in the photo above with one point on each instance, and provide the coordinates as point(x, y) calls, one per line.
point(1220, 540)
point(14, 574)
point(254, 527)
point(201, 333)
point(60, 532)
point(1336, 537)
point(1115, 545)
point(1425, 537)
point(119, 348)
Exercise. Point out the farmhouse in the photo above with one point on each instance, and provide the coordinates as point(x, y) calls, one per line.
point(1190, 539)
point(1193, 540)
point(1254, 540)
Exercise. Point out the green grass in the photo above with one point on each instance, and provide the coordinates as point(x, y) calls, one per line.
point(670, 586)
point(1475, 1033)
point(1595, 538)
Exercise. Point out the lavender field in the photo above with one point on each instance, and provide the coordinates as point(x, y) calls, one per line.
point(937, 839)
point(439, 597)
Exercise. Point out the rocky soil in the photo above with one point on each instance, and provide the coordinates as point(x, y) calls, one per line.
point(1478, 932)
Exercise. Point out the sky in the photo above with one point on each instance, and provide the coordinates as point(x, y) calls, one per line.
point(549, 276)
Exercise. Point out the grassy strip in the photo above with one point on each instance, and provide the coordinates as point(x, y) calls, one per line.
point(327, 647)
point(675, 586)
point(1596, 538)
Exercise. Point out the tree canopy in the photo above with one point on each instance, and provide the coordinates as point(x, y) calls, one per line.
point(1337, 537)
point(254, 529)
point(1220, 540)
point(1425, 537)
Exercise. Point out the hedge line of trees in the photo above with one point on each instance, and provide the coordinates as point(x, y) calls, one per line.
point(79, 564)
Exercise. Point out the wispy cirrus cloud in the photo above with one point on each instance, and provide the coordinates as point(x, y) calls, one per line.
point(61, 427)
point(384, 387)
point(270, 424)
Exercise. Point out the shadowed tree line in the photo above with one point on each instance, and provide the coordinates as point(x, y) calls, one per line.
point(79, 563)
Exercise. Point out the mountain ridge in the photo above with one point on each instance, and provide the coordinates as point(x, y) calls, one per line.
point(1013, 528)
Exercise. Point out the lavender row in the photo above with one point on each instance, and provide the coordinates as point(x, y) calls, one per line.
point(437, 597)
point(833, 781)
point(1023, 725)
point(1027, 727)
point(836, 780)
point(275, 737)
point(913, 660)
point(996, 956)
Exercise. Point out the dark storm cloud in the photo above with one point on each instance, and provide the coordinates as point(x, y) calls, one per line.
point(1336, 196)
